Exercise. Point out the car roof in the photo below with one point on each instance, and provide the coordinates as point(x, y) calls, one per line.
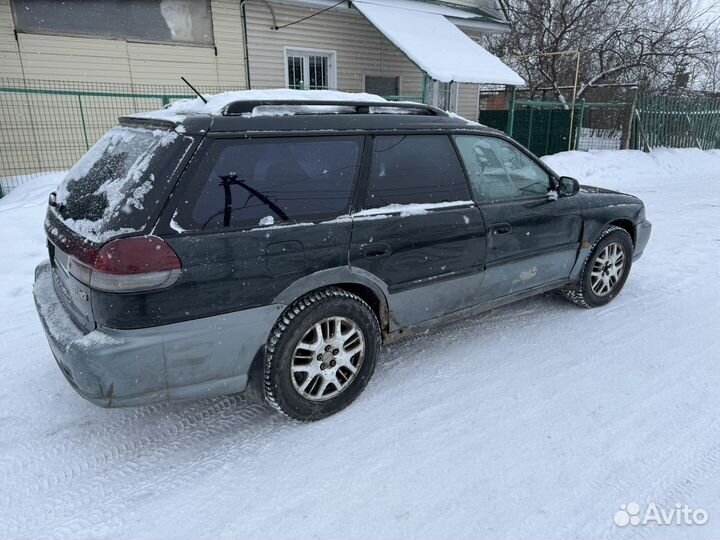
point(304, 116)
point(218, 124)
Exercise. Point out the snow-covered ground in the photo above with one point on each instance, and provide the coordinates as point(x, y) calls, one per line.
point(536, 420)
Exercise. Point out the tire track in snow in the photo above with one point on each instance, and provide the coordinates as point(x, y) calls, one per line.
point(97, 489)
point(666, 478)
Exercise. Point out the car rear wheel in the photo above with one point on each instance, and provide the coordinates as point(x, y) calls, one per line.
point(321, 354)
point(605, 270)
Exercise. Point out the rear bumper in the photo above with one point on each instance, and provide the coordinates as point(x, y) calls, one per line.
point(642, 235)
point(119, 368)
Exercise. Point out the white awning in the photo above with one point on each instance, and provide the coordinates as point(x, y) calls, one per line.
point(435, 45)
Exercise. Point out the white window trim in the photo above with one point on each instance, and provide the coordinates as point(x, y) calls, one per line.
point(380, 74)
point(454, 91)
point(332, 62)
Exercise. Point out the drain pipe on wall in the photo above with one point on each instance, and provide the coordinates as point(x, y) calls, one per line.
point(246, 54)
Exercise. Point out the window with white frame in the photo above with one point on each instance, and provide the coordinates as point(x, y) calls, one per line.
point(444, 95)
point(310, 69)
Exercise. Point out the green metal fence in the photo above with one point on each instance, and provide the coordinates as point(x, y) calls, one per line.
point(48, 125)
point(678, 122)
point(650, 122)
point(543, 127)
point(548, 127)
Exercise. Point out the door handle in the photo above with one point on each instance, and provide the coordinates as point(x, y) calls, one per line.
point(371, 251)
point(501, 228)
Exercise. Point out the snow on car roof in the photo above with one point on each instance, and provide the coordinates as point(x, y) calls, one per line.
point(178, 110)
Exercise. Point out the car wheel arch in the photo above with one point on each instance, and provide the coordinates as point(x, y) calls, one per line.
point(626, 224)
point(370, 292)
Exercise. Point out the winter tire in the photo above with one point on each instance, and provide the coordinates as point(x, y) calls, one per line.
point(605, 270)
point(321, 354)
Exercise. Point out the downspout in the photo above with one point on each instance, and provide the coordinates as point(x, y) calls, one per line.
point(246, 54)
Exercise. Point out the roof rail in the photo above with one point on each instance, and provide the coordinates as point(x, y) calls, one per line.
point(361, 107)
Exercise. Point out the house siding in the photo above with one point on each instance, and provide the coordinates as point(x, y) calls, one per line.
point(56, 138)
point(9, 55)
point(64, 58)
point(361, 50)
point(467, 105)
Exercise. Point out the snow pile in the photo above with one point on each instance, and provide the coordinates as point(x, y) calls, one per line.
point(216, 103)
point(267, 221)
point(601, 165)
point(31, 189)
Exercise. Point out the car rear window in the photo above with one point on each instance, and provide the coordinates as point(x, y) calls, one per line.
point(267, 181)
point(414, 169)
point(106, 193)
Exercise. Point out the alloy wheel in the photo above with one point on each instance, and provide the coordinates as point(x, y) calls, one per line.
point(607, 269)
point(327, 358)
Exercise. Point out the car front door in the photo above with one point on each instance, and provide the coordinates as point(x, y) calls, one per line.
point(417, 228)
point(533, 236)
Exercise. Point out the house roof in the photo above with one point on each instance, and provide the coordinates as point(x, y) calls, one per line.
point(447, 9)
point(432, 42)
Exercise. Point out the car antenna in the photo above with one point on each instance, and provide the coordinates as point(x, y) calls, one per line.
point(193, 89)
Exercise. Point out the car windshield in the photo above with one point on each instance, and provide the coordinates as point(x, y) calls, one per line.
point(103, 194)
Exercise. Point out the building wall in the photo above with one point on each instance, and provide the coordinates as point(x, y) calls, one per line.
point(37, 56)
point(51, 131)
point(9, 56)
point(360, 50)
point(359, 47)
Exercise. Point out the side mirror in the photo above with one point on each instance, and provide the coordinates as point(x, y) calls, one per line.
point(567, 186)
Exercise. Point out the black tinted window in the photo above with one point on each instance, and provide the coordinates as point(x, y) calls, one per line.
point(267, 181)
point(409, 169)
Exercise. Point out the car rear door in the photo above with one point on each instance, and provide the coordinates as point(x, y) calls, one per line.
point(417, 228)
point(251, 217)
point(533, 236)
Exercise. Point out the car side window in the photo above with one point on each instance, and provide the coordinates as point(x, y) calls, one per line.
point(498, 171)
point(261, 182)
point(414, 169)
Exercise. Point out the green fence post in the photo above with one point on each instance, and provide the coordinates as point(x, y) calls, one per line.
point(579, 124)
point(530, 127)
point(511, 112)
point(82, 119)
point(548, 131)
point(165, 101)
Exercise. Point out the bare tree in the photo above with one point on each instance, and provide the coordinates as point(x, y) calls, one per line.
point(656, 44)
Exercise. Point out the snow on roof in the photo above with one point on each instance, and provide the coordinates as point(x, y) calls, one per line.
point(177, 110)
point(436, 45)
point(455, 12)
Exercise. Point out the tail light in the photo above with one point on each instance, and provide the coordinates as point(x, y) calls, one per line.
point(129, 265)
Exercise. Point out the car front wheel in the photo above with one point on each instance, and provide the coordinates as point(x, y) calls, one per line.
point(605, 270)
